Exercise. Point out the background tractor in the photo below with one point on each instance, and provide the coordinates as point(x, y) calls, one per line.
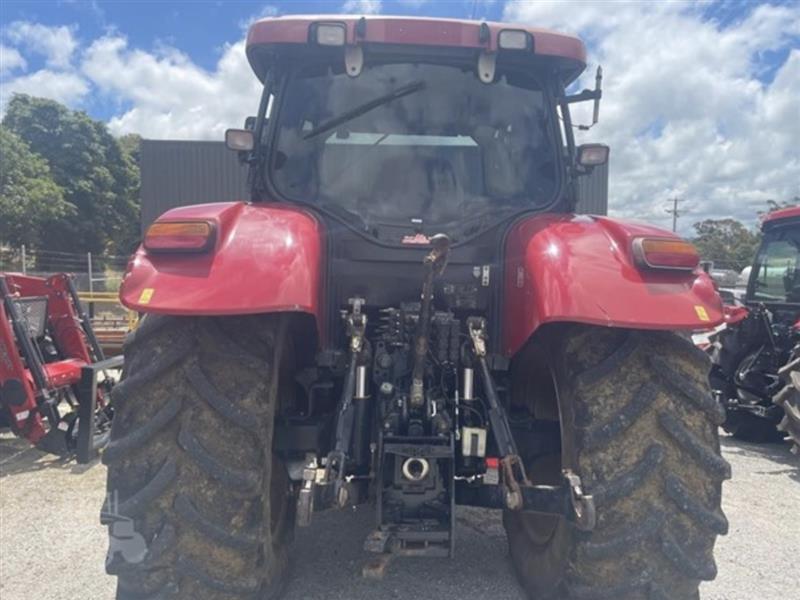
point(408, 313)
point(51, 388)
point(755, 366)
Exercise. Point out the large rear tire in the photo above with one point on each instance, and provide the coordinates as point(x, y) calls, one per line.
point(198, 507)
point(789, 399)
point(639, 426)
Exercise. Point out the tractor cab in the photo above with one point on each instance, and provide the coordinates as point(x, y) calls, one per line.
point(403, 128)
point(394, 130)
point(775, 276)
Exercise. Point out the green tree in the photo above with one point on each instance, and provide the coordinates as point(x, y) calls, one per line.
point(98, 177)
point(131, 144)
point(727, 242)
point(773, 205)
point(30, 201)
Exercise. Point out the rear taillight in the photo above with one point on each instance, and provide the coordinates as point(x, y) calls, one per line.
point(179, 236)
point(665, 253)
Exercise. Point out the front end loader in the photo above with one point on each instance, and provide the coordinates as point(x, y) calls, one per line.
point(407, 313)
point(54, 378)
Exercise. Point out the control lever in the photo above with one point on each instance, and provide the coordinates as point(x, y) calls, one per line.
point(512, 466)
point(435, 263)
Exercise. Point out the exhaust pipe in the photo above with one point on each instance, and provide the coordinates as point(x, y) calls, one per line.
point(416, 469)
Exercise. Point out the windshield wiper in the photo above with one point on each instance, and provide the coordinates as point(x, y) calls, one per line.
point(405, 90)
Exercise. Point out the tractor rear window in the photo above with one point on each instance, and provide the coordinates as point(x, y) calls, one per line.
point(415, 141)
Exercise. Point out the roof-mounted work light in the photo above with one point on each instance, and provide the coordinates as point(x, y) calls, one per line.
point(592, 155)
point(514, 39)
point(329, 34)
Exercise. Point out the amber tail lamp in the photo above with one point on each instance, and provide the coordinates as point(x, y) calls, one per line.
point(180, 236)
point(665, 253)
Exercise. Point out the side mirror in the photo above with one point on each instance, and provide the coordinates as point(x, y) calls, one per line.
point(592, 155)
point(241, 140)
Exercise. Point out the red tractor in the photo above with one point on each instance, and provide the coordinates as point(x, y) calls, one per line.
point(756, 357)
point(50, 361)
point(408, 313)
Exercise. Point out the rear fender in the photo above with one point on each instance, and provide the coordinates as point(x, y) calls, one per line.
point(266, 258)
point(570, 268)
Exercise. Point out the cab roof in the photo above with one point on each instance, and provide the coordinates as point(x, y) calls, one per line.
point(568, 52)
point(779, 215)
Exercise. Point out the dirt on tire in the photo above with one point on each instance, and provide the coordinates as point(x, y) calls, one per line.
point(789, 399)
point(192, 483)
point(641, 425)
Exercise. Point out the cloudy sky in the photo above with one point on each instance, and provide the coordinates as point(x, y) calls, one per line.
point(701, 99)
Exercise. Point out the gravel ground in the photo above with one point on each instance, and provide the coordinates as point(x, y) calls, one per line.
point(52, 546)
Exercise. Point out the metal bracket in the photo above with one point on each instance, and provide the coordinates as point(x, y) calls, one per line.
point(477, 333)
point(566, 500)
point(87, 404)
point(487, 64)
point(583, 508)
point(511, 481)
point(305, 498)
point(356, 323)
point(354, 60)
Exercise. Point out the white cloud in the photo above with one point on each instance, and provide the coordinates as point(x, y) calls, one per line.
point(10, 60)
point(363, 7)
point(683, 108)
point(171, 97)
point(56, 44)
point(67, 88)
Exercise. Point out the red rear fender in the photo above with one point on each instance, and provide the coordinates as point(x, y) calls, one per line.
point(265, 258)
point(581, 269)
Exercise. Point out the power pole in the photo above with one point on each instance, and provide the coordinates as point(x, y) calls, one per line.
point(675, 212)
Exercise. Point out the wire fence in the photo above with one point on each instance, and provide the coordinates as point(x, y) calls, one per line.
point(93, 272)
